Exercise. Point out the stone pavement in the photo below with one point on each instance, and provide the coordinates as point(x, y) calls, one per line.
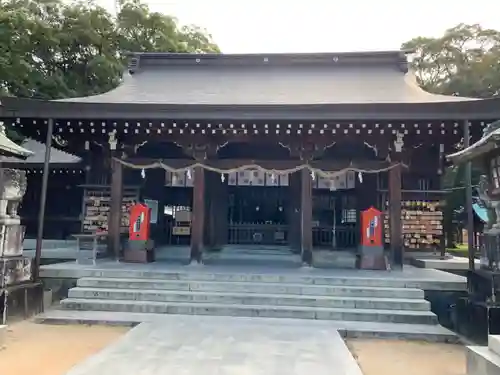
point(185, 345)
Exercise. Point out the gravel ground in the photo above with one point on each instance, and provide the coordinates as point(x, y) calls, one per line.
point(396, 357)
point(52, 350)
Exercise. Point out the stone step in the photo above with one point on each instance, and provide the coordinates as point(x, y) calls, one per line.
point(386, 316)
point(251, 287)
point(250, 299)
point(303, 277)
point(3, 336)
point(252, 259)
point(421, 332)
point(482, 361)
point(494, 344)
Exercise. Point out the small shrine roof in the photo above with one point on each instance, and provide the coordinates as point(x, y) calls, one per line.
point(37, 155)
point(7, 147)
point(489, 142)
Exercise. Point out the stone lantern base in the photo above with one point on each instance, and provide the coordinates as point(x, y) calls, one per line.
point(14, 267)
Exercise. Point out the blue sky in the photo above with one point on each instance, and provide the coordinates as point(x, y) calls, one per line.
point(251, 26)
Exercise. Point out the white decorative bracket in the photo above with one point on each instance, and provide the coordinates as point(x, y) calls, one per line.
point(112, 140)
point(399, 142)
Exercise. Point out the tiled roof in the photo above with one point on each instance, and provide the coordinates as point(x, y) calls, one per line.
point(359, 78)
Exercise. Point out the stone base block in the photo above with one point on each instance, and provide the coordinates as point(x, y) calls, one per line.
point(11, 240)
point(139, 251)
point(3, 336)
point(482, 361)
point(23, 300)
point(17, 270)
point(371, 258)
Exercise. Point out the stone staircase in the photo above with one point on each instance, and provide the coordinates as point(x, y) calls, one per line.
point(484, 360)
point(368, 306)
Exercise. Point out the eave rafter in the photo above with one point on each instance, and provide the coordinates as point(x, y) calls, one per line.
point(76, 132)
point(247, 128)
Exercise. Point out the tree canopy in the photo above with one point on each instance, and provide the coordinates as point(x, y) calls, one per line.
point(52, 49)
point(465, 61)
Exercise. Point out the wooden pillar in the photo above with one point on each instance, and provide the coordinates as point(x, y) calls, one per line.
point(395, 223)
point(217, 204)
point(115, 211)
point(198, 215)
point(468, 201)
point(221, 211)
point(43, 199)
point(306, 217)
point(295, 215)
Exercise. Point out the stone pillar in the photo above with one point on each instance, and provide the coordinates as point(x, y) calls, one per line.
point(198, 215)
point(306, 217)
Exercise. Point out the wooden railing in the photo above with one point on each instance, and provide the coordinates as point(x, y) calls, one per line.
point(340, 237)
point(258, 234)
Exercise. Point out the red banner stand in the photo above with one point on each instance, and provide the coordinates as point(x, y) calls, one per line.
point(139, 225)
point(139, 248)
point(371, 250)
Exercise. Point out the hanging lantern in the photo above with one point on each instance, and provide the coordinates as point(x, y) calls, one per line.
point(360, 177)
point(143, 173)
point(222, 177)
point(313, 175)
point(188, 174)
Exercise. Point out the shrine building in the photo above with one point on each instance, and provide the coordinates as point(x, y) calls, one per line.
point(261, 150)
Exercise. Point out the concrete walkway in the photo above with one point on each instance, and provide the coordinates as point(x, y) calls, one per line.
point(186, 345)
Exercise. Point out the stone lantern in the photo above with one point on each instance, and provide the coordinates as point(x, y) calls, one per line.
point(14, 268)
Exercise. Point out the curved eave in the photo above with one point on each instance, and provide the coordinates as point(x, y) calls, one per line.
point(9, 148)
point(478, 149)
point(457, 110)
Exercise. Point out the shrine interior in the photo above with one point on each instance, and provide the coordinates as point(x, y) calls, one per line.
point(261, 209)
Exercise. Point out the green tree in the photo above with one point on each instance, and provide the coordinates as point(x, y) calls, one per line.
point(465, 61)
point(141, 30)
point(51, 49)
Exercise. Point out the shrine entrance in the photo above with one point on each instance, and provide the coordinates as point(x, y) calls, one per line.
point(258, 215)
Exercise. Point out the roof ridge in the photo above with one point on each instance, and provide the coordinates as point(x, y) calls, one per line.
point(140, 60)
